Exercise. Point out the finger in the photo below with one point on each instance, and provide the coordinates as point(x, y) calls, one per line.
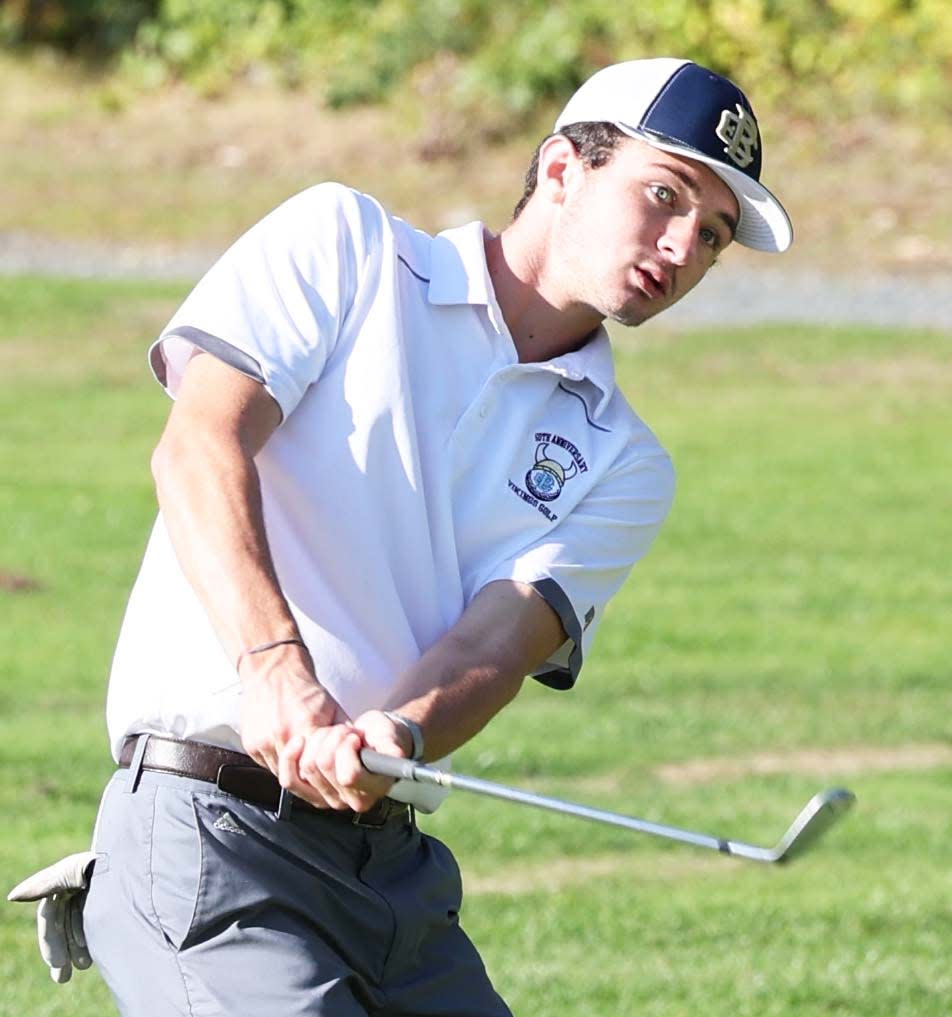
point(82, 960)
point(350, 775)
point(263, 757)
point(290, 776)
point(383, 734)
point(288, 760)
point(361, 789)
point(319, 770)
point(76, 933)
point(269, 758)
point(62, 975)
point(318, 761)
point(51, 931)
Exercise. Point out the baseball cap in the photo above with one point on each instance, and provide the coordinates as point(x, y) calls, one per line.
point(678, 106)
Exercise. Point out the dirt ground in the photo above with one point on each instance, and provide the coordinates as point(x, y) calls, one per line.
point(81, 160)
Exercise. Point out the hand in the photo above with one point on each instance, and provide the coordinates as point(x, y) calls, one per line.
point(281, 704)
point(329, 761)
point(61, 891)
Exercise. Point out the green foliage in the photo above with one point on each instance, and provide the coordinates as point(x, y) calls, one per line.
point(89, 28)
point(816, 56)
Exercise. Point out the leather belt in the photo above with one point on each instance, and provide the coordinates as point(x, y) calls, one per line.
point(239, 775)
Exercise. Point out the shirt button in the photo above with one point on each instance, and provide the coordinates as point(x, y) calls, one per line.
point(484, 411)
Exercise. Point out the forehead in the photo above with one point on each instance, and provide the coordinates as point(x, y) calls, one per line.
point(634, 156)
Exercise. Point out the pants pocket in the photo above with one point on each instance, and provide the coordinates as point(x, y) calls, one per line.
point(211, 867)
point(444, 888)
point(175, 863)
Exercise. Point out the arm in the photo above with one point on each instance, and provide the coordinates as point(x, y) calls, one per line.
point(210, 497)
point(478, 667)
point(463, 681)
point(509, 631)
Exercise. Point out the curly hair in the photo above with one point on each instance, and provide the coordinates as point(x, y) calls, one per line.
point(594, 142)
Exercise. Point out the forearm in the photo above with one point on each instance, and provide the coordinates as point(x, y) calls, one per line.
point(461, 705)
point(209, 494)
point(479, 666)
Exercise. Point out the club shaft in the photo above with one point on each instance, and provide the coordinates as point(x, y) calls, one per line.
point(407, 770)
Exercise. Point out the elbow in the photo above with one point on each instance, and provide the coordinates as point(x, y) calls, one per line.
point(188, 461)
point(170, 461)
point(161, 464)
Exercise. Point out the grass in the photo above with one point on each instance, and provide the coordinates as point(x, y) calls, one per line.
point(786, 632)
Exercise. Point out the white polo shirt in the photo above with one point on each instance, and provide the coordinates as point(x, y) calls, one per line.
point(417, 461)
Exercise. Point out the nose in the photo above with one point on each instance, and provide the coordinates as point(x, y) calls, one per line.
point(679, 239)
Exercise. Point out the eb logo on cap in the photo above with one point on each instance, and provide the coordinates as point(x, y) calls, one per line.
point(740, 135)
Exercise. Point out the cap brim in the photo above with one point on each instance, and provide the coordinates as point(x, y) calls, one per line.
point(763, 224)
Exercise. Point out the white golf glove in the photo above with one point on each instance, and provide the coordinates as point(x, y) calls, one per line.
point(61, 891)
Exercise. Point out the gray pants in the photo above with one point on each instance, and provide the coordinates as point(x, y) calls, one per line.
point(204, 905)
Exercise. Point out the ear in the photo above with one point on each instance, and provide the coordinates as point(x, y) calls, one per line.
point(559, 168)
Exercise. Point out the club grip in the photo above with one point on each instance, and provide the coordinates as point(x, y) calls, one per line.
point(387, 766)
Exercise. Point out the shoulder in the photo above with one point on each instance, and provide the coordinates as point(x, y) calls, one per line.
point(358, 220)
point(331, 208)
point(324, 226)
point(642, 458)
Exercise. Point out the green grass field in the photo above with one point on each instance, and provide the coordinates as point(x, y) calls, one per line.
point(786, 633)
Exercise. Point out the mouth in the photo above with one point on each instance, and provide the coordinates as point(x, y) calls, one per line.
point(655, 282)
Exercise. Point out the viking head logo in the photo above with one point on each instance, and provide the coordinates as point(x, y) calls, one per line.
point(548, 476)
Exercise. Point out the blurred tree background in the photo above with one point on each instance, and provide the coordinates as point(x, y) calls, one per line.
point(496, 61)
point(179, 122)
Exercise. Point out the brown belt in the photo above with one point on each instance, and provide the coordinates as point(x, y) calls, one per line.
point(239, 775)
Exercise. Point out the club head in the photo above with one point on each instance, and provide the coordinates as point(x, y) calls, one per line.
point(818, 815)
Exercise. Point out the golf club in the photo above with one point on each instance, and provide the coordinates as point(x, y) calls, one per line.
point(816, 817)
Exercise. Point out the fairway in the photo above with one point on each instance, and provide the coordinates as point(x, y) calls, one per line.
point(787, 632)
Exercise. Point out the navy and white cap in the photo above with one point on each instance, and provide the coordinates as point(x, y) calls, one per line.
point(680, 107)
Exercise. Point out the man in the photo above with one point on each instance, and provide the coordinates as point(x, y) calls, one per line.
point(397, 479)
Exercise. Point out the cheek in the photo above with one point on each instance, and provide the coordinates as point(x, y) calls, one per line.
point(620, 234)
point(689, 277)
point(608, 237)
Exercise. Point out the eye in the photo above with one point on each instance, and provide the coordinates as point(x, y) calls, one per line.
point(711, 238)
point(663, 193)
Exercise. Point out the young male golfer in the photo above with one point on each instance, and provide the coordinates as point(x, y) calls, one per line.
point(397, 478)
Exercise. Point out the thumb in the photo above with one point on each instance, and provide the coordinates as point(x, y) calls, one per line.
point(385, 733)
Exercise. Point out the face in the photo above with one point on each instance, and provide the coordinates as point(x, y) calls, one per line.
point(634, 236)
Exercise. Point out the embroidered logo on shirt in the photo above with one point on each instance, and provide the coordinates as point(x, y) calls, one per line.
point(557, 461)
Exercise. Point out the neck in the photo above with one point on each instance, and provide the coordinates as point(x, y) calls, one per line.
point(542, 325)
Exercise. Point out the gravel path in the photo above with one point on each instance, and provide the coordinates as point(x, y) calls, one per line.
point(728, 296)
point(761, 295)
point(22, 253)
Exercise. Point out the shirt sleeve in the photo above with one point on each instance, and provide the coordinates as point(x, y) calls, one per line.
point(273, 305)
point(579, 565)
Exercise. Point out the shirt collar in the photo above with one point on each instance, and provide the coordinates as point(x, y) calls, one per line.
point(592, 363)
point(459, 275)
point(458, 272)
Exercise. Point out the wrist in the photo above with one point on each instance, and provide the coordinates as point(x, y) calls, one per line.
point(271, 647)
point(289, 659)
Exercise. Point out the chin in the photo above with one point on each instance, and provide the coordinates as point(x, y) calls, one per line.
point(633, 313)
point(635, 307)
point(627, 319)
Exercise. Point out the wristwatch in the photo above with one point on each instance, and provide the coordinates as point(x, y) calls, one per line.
point(416, 732)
